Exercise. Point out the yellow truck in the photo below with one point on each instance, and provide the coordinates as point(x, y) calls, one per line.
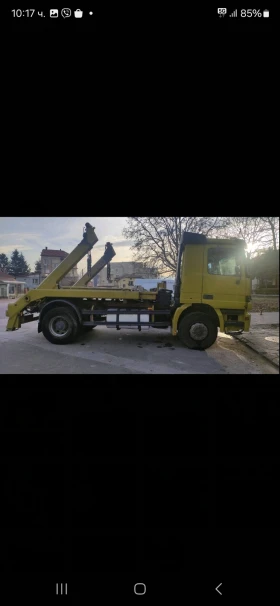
point(212, 291)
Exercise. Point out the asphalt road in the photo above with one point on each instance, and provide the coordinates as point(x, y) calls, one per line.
point(108, 351)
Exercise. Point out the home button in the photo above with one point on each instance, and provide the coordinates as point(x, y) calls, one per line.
point(140, 588)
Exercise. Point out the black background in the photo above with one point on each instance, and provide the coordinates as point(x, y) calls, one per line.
point(105, 495)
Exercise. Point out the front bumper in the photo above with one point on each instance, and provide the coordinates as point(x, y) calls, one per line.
point(237, 327)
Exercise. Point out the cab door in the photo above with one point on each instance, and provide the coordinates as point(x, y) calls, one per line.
point(224, 280)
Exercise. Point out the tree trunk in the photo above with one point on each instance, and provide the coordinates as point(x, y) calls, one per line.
point(274, 238)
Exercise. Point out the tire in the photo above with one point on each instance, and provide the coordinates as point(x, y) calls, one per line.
point(53, 329)
point(197, 331)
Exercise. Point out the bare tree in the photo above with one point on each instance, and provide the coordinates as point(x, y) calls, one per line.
point(260, 232)
point(157, 239)
point(271, 226)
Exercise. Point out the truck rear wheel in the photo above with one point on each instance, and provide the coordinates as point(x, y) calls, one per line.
point(197, 331)
point(60, 326)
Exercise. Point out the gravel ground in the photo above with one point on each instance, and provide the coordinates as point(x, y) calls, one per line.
point(265, 303)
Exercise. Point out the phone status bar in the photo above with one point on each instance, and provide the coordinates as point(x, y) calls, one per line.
point(173, 20)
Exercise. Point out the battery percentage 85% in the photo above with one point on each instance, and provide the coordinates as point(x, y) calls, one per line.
point(251, 12)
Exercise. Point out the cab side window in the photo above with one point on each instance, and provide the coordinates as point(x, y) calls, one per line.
point(223, 262)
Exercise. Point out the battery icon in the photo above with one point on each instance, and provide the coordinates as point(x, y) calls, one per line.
point(266, 13)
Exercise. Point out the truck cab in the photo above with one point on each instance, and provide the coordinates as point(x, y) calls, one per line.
point(211, 280)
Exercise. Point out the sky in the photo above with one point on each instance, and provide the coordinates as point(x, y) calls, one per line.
point(31, 234)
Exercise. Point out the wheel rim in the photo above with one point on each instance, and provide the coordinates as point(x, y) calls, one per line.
point(198, 331)
point(59, 327)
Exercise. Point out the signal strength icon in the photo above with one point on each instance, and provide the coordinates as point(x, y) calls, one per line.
point(234, 14)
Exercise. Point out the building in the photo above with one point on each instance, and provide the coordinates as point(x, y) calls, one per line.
point(142, 284)
point(32, 280)
point(127, 269)
point(255, 284)
point(51, 259)
point(124, 282)
point(10, 288)
point(149, 284)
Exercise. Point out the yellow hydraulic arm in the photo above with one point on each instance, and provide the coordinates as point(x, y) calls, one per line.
point(96, 268)
point(49, 287)
point(88, 241)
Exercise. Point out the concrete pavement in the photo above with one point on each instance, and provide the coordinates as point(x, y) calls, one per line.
point(103, 351)
point(263, 336)
point(266, 318)
point(108, 351)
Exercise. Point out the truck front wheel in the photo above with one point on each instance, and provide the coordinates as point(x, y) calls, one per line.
point(197, 331)
point(60, 326)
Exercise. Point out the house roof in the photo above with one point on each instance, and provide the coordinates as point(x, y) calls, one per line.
point(47, 252)
point(6, 277)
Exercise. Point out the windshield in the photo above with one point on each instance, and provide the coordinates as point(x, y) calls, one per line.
point(225, 261)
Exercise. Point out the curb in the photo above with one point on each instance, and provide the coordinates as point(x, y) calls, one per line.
point(276, 325)
point(256, 350)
